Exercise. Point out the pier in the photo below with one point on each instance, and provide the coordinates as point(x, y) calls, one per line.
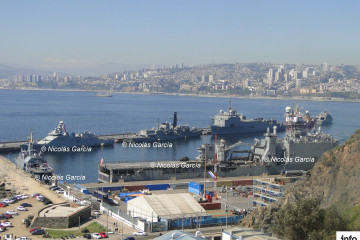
point(6, 147)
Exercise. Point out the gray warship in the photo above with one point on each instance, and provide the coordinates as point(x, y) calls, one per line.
point(297, 151)
point(33, 162)
point(165, 132)
point(324, 118)
point(60, 138)
point(230, 122)
point(105, 94)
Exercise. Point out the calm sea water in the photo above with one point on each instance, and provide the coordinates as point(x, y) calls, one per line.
point(40, 111)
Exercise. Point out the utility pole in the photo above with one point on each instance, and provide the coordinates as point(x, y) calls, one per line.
point(122, 229)
point(226, 207)
point(107, 222)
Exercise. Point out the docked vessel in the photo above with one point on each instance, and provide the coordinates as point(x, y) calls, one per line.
point(33, 162)
point(298, 150)
point(165, 132)
point(295, 119)
point(230, 122)
point(324, 118)
point(104, 94)
point(59, 137)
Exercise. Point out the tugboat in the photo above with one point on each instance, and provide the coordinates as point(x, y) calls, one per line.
point(59, 137)
point(33, 162)
point(165, 132)
point(324, 118)
point(230, 122)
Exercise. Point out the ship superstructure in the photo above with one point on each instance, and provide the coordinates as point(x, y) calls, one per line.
point(59, 137)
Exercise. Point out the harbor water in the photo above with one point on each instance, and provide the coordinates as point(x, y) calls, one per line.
point(40, 111)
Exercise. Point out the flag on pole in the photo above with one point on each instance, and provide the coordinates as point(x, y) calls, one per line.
point(101, 161)
point(212, 175)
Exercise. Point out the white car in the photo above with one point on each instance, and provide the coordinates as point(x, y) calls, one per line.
point(140, 233)
point(8, 201)
point(24, 196)
point(60, 191)
point(39, 197)
point(6, 224)
point(96, 236)
point(11, 212)
point(21, 208)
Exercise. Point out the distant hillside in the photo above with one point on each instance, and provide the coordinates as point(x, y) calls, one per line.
point(8, 71)
point(333, 183)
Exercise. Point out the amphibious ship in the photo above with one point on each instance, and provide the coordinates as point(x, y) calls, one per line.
point(165, 132)
point(59, 137)
point(33, 162)
point(230, 122)
point(298, 150)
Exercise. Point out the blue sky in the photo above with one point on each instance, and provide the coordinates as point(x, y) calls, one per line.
point(82, 34)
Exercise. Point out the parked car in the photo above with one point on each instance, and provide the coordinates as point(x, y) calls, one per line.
point(38, 232)
point(54, 188)
point(129, 238)
point(8, 201)
point(60, 191)
point(140, 233)
point(87, 236)
point(34, 195)
point(5, 216)
point(33, 229)
point(21, 208)
point(11, 212)
point(2, 228)
point(47, 202)
point(26, 205)
point(96, 236)
point(2, 205)
point(103, 235)
point(6, 224)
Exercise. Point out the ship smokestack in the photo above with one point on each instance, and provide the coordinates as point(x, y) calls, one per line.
point(175, 120)
point(275, 130)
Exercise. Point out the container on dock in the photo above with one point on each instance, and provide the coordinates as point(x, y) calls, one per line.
point(179, 185)
point(196, 188)
point(243, 182)
point(134, 188)
point(155, 187)
point(211, 205)
point(111, 189)
point(228, 183)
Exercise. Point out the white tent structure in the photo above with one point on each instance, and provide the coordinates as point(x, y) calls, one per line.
point(166, 206)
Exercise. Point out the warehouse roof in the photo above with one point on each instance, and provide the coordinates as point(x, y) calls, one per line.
point(179, 235)
point(169, 206)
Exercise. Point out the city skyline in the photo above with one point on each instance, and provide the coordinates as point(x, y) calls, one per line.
point(83, 35)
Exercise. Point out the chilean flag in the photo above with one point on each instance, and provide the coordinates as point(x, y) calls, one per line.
point(212, 175)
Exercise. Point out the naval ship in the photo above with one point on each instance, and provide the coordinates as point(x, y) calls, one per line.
point(104, 94)
point(298, 150)
point(59, 137)
point(324, 118)
point(33, 162)
point(165, 132)
point(230, 122)
point(294, 118)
